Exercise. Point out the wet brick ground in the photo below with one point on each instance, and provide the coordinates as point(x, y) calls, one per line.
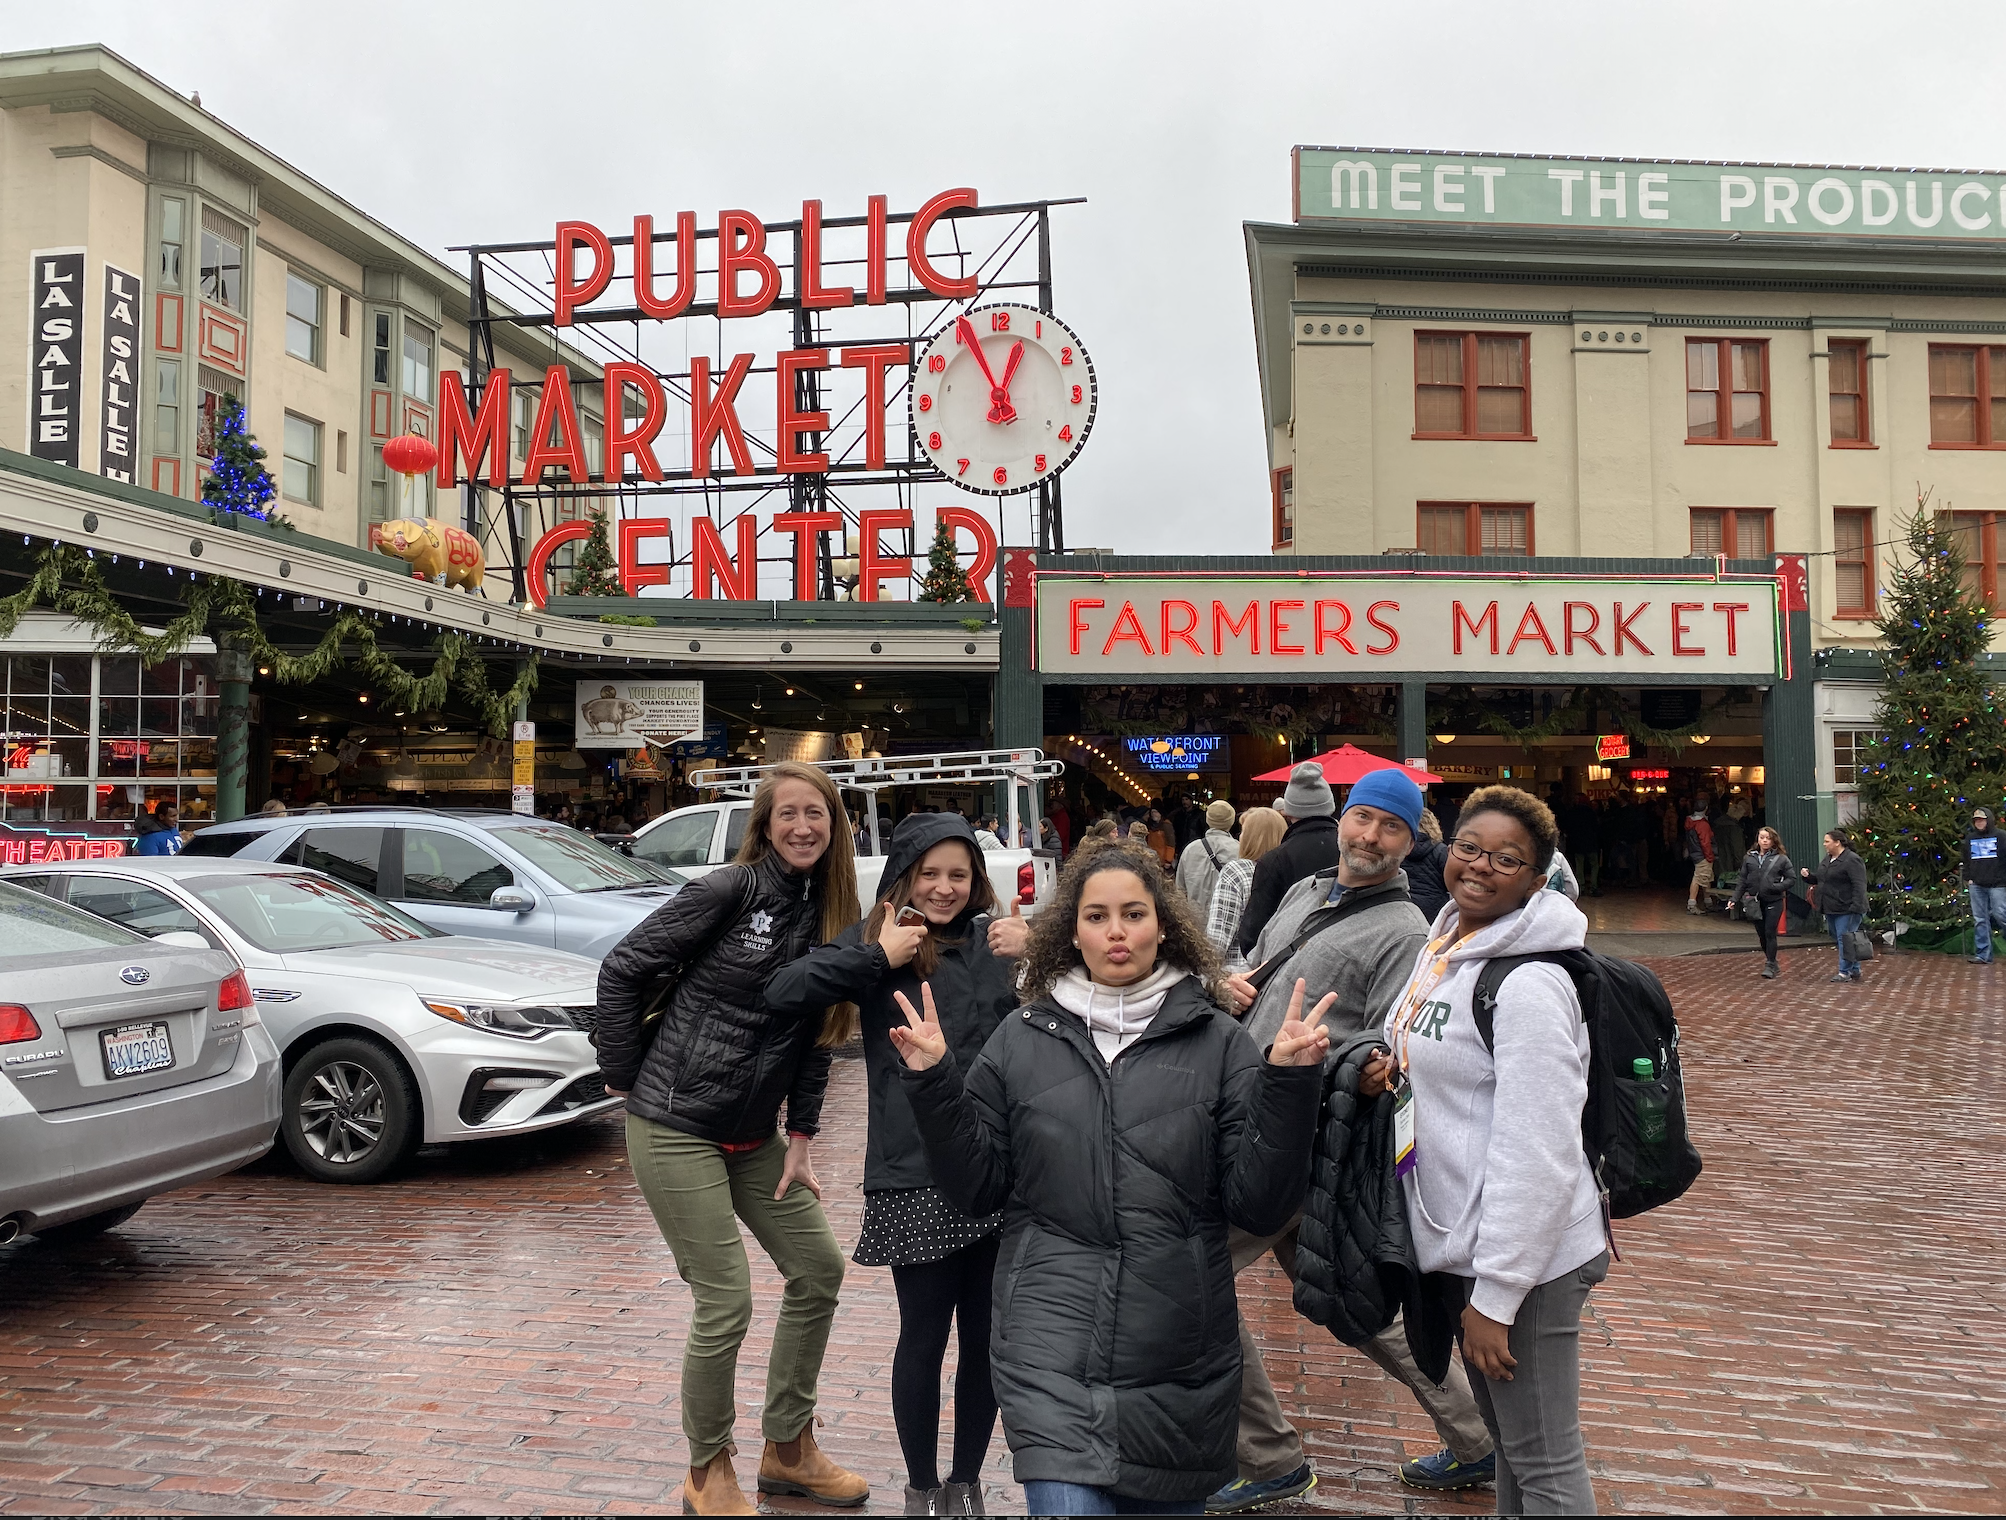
point(1817, 1327)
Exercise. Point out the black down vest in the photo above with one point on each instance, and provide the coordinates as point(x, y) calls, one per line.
point(1115, 1346)
point(721, 1062)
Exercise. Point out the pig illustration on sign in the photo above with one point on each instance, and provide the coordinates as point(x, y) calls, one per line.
point(434, 551)
point(609, 711)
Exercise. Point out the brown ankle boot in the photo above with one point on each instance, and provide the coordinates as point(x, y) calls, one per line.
point(799, 1467)
point(713, 1489)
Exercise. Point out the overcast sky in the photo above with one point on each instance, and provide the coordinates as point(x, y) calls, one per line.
point(459, 122)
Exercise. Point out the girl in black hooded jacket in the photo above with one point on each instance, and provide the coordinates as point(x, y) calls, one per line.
point(942, 1261)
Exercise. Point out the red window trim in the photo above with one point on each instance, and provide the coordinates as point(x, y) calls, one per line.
point(1724, 395)
point(1986, 440)
point(1990, 525)
point(1473, 525)
point(1865, 350)
point(1469, 387)
point(1275, 496)
point(1871, 583)
point(1729, 529)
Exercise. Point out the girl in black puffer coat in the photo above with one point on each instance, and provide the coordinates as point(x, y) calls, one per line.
point(1765, 880)
point(1121, 1122)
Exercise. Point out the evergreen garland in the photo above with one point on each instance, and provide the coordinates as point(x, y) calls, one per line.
point(238, 480)
point(594, 572)
point(945, 580)
point(1942, 746)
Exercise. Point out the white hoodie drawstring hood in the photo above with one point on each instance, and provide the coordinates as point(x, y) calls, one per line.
point(1116, 1016)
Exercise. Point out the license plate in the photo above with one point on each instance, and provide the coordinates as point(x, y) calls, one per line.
point(132, 1049)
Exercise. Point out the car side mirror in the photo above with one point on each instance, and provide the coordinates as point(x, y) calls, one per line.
point(511, 900)
point(185, 939)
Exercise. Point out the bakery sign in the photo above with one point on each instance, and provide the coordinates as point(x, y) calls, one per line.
point(1288, 627)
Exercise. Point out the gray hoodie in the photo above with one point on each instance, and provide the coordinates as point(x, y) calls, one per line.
point(1364, 960)
point(1501, 1191)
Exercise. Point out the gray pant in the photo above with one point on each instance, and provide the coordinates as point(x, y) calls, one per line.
point(1536, 1417)
point(1270, 1447)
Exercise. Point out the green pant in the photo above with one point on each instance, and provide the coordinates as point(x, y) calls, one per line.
point(698, 1192)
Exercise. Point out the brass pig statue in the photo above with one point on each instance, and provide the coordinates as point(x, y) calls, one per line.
point(434, 551)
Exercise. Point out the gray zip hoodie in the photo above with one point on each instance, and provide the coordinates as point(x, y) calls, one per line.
point(1501, 1191)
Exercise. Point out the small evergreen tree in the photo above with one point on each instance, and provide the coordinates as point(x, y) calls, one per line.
point(1942, 747)
point(593, 573)
point(238, 480)
point(945, 580)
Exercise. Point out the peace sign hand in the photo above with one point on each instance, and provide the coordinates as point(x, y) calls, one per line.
point(920, 1043)
point(1302, 1043)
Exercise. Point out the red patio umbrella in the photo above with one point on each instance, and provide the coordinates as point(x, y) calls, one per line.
point(1348, 764)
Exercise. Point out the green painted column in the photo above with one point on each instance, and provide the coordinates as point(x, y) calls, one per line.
point(233, 731)
point(1019, 714)
point(1413, 721)
point(1790, 728)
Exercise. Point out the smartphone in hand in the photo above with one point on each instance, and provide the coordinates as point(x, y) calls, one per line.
point(909, 915)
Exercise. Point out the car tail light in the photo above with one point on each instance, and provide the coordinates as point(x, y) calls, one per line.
point(1027, 883)
point(234, 994)
point(17, 1024)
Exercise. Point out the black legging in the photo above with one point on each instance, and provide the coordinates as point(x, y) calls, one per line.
point(1769, 926)
point(933, 1296)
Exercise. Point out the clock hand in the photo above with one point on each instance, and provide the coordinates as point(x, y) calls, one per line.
point(999, 395)
point(967, 331)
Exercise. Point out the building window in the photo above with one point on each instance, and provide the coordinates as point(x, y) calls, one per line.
point(303, 307)
point(379, 486)
point(1737, 532)
point(417, 363)
point(222, 271)
point(1966, 387)
point(380, 355)
point(1978, 535)
point(525, 422)
point(1475, 529)
point(1471, 385)
point(171, 239)
point(167, 407)
point(302, 469)
point(341, 451)
point(1727, 390)
point(1853, 561)
point(1285, 508)
point(1846, 374)
point(213, 386)
point(1849, 753)
point(344, 313)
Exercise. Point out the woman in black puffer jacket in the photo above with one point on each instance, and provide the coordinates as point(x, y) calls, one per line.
point(1766, 874)
point(1122, 1122)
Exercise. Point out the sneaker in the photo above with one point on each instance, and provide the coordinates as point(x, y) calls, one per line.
point(1692, 907)
point(1981, 960)
point(1843, 976)
point(1245, 1493)
point(1852, 976)
point(1442, 1471)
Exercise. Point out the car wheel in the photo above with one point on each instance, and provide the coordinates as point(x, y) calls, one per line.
point(90, 1226)
point(351, 1112)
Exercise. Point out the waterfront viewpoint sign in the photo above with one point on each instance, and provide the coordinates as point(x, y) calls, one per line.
point(1365, 184)
point(1379, 627)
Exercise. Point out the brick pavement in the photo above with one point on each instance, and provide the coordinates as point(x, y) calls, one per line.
point(1817, 1327)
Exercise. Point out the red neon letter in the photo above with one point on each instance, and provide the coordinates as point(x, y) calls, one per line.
point(872, 565)
point(874, 251)
point(1127, 628)
point(741, 245)
point(1462, 621)
point(1327, 635)
point(1074, 608)
point(1392, 634)
point(708, 562)
point(985, 544)
point(1679, 629)
point(812, 295)
point(644, 266)
point(1531, 626)
point(633, 574)
point(1623, 628)
point(1248, 623)
point(570, 293)
point(556, 408)
point(477, 435)
point(711, 415)
point(915, 247)
point(1180, 634)
point(789, 459)
point(1277, 627)
point(807, 528)
point(655, 411)
point(873, 359)
point(538, 564)
point(1730, 608)
point(1586, 635)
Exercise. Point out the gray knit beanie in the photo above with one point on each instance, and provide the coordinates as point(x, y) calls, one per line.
point(1307, 794)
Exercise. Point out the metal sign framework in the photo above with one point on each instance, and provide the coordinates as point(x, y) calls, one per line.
point(1018, 258)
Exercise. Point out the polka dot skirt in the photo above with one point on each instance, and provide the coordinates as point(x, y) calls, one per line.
point(904, 1227)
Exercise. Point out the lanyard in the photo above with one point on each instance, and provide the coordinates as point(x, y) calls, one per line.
point(1417, 993)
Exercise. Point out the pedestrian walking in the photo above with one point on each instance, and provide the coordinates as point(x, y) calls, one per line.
point(1362, 932)
point(1261, 830)
point(1841, 879)
point(1123, 1123)
point(1202, 860)
point(1761, 893)
point(704, 1083)
point(1424, 867)
point(1699, 845)
point(1985, 884)
point(928, 926)
point(1499, 1192)
point(1309, 846)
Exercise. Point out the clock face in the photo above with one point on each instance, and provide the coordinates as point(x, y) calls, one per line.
point(1002, 398)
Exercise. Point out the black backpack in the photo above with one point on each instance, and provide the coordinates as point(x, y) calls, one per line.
point(1629, 1016)
point(1695, 846)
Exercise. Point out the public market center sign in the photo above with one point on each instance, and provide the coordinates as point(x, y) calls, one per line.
point(1365, 184)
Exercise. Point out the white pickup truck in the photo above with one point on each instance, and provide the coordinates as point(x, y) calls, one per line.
point(700, 838)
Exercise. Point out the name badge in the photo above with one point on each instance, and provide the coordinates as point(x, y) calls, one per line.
point(1403, 1130)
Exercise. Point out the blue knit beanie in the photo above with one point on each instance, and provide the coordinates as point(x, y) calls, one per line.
point(1391, 791)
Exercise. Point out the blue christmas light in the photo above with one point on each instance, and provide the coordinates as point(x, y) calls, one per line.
point(237, 479)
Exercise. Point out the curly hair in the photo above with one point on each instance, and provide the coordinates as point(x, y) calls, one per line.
point(1052, 953)
point(1534, 816)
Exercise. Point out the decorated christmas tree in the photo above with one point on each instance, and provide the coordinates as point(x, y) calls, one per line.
point(945, 580)
point(593, 573)
point(238, 480)
point(1942, 747)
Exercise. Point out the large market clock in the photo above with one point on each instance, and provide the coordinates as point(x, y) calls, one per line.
point(1002, 399)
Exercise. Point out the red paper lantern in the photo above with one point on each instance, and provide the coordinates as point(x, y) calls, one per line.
point(410, 455)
